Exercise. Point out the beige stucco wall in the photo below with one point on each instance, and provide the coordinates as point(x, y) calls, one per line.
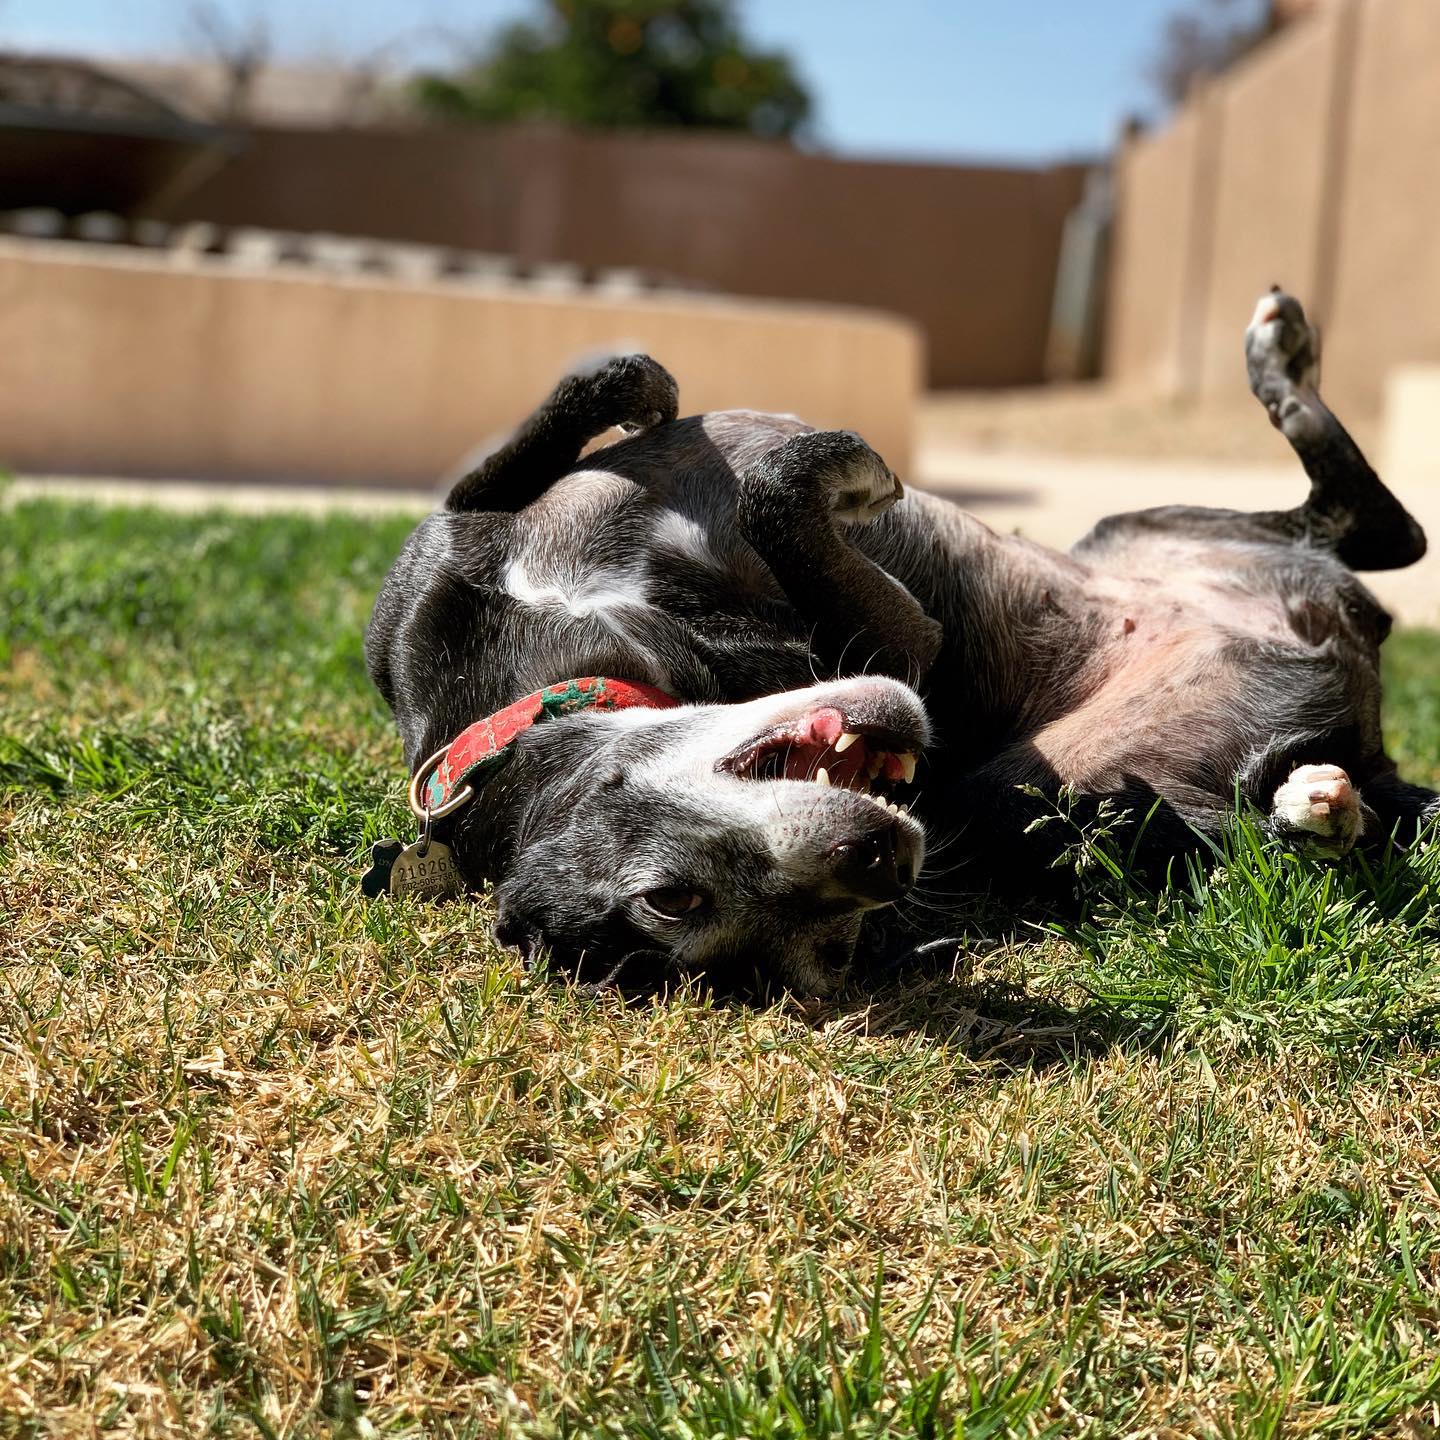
point(968, 252)
point(1410, 442)
point(1153, 223)
point(1271, 129)
point(1387, 300)
point(1326, 179)
point(121, 363)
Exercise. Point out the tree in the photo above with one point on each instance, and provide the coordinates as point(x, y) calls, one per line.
point(1204, 38)
point(240, 45)
point(625, 63)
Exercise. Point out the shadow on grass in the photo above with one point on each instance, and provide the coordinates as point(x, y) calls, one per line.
point(1246, 947)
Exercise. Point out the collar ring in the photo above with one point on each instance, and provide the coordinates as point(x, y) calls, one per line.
point(427, 813)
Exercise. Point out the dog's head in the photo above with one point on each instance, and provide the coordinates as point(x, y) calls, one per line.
point(718, 839)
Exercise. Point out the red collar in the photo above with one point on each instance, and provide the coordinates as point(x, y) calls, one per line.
point(447, 779)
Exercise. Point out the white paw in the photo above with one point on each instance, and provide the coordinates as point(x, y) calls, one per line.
point(1319, 810)
point(864, 489)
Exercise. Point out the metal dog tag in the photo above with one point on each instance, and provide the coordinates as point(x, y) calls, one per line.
point(415, 869)
point(383, 855)
point(427, 870)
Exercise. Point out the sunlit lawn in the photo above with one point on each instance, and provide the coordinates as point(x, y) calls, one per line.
point(275, 1160)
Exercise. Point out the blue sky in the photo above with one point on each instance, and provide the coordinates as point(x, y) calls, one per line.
point(982, 79)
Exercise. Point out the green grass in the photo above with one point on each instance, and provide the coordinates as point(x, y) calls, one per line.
point(277, 1162)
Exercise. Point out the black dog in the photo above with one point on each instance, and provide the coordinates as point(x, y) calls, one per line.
point(732, 560)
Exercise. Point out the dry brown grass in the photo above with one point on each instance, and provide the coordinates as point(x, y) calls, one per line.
point(277, 1161)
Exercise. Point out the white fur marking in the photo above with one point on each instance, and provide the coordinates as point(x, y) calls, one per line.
point(590, 597)
point(685, 537)
point(616, 600)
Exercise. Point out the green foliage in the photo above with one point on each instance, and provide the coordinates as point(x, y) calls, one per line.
point(1252, 946)
point(626, 63)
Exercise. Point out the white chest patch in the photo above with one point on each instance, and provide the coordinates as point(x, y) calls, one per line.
point(615, 601)
point(682, 536)
point(585, 597)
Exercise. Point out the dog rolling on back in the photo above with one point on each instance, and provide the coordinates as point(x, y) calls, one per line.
point(772, 579)
point(702, 836)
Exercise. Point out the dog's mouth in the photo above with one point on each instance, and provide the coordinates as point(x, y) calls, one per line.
point(828, 747)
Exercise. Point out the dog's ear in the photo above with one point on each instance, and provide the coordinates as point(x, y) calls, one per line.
point(609, 954)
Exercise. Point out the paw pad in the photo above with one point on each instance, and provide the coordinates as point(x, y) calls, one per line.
point(1319, 810)
point(866, 489)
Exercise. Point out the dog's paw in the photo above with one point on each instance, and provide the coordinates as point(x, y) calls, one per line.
point(814, 475)
point(861, 485)
point(632, 392)
point(1318, 811)
point(1282, 358)
point(1280, 341)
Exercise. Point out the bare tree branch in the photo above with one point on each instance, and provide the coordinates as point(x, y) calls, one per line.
point(1204, 38)
point(239, 41)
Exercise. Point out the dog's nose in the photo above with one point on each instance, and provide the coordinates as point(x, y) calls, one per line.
point(870, 867)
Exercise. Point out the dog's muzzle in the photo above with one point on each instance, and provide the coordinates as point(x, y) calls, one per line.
point(877, 868)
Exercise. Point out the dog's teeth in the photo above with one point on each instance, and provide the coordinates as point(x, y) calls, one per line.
point(822, 776)
point(907, 767)
point(904, 809)
point(845, 742)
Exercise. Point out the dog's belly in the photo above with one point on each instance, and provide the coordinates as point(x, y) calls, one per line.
point(1186, 689)
point(1144, 613)
point(1151, 695)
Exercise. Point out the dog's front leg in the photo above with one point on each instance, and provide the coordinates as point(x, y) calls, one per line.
point(793, 505)
point(629, 391)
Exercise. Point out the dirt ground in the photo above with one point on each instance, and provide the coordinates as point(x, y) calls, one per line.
point(1048, 464)
point(1089, 420)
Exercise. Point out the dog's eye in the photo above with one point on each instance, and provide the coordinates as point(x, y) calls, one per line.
point(675, 901)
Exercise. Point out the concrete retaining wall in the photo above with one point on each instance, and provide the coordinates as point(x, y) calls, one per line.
point(1387, 291)
point(1154, 222)
point(1268, 195)
point(124, 363)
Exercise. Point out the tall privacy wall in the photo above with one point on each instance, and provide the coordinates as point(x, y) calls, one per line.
point(969, 253)
point(126, 363)
point(1314, 164)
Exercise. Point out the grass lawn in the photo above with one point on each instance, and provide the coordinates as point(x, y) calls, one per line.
point(275, 1161)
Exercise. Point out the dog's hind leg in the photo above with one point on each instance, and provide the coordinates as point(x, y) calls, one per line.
point(792, 506)
point(1349, 510)
point(1318, 811)
point(631, 391)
